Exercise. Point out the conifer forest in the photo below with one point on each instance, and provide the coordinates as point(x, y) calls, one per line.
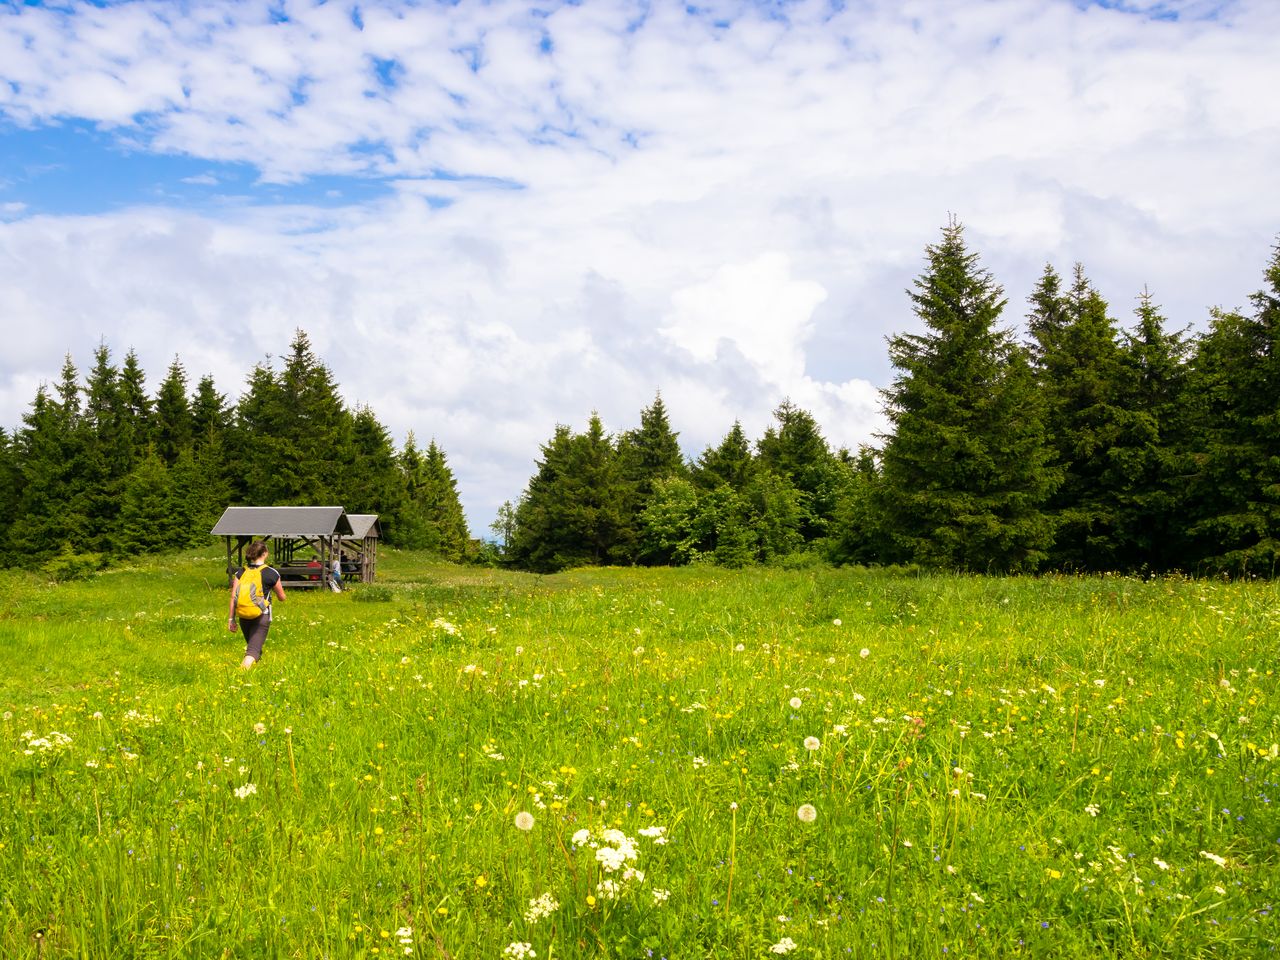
point(1053, 435)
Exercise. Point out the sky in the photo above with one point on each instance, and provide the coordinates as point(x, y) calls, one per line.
point(493, 218)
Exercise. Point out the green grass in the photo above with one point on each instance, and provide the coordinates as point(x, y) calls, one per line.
point(1016, 767)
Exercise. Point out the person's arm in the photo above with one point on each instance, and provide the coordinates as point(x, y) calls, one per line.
point(278, 589)
point(231, 611)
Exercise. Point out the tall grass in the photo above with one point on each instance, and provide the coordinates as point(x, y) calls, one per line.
point(1048, 767)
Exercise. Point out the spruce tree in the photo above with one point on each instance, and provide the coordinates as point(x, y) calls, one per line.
point(174, 425)
point(135, 406)
point(1152, 491)
point(1233, 399)
point(1096, 440)
point(965, 471)
point(209, 413)
point(797, 452)
point(148, 520)
point(108, 452)
point(438, 504)
point(644, 456)
point(729, 463)
point(46, 521)
point(572, 509)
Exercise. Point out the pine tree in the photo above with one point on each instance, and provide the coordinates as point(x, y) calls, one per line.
point(729, 463)
point(148, 520)
point(438, 504)
point(797, 452)
point(965, 472)
point(10, 490)
point(1095, 438)
point(135, 407)
point(373, 481)
point(315, 428)
point(209, 413)
point(1234, 396)
point(107, 453)
point(45, 521)
point(265, 464)
point(174, 425)
point(644, 456)
point(572, 509)
point(1151, 491)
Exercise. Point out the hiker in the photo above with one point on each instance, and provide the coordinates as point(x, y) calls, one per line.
point(251, 589)
point(337, 573)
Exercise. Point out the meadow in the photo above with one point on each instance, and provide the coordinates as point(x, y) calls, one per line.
point(460, 763)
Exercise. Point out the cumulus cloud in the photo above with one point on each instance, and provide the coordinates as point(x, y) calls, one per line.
point(592, 202)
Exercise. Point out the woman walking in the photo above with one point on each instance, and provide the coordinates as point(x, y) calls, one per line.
point(251, 590)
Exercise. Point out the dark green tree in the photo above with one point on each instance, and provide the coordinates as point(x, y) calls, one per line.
point(644, 456)
point(1152, 471)
point(373, 482)
point(572, 509)
point(729, 463)
point(209, 411)
point(797, 452)
point(437, 502)
point(148, 521)
point(174, 425)
point(1096, 439)
point(965, 472)
point(48, 447)
point(135, 406)
point(1233, 395)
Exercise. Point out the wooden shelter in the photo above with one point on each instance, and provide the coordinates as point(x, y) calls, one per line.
point(304, 540)
point(359, 552)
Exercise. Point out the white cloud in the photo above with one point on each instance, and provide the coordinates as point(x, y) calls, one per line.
point(727, 213)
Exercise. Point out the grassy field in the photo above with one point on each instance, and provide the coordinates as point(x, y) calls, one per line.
point(640, 763)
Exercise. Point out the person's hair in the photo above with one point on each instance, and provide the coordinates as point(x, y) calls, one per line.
point(256, 551)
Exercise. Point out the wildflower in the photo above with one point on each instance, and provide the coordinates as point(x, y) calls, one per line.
point(519, 650)
point(405, 936)
point(1092, 809)
point(812, 743)
point(660, 896)
point(835, 622)
point(541, 908)
point(524, 820)
point(482, 881)
point(581, 838)
point(638, 651)
point(807, 812)
point(1099, 683)
point(795, 703)
point(733, 805)
point(1220, 861)
point(259, 728)
point(609, 888)
point(699, 762)
point(248, 790)
point(740, 647)
point(518, 950)
point(1160, 863)
point(864, 653)
point(655, 834)
point(785, 945)
point(591, 901)
point(839, 728)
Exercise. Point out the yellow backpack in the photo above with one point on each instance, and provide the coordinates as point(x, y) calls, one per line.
point(251, 598)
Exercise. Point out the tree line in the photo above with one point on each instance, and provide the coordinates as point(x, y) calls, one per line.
point(100, 467)
point(1084, 445)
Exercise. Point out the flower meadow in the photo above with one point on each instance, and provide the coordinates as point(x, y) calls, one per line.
point(640, 763)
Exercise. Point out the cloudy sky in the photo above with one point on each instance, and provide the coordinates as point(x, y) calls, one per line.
point(495, 217)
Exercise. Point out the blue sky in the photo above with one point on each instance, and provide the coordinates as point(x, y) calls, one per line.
point(495, 217)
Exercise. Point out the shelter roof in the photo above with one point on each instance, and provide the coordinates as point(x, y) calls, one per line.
point(364, 525)
point(283, 522)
